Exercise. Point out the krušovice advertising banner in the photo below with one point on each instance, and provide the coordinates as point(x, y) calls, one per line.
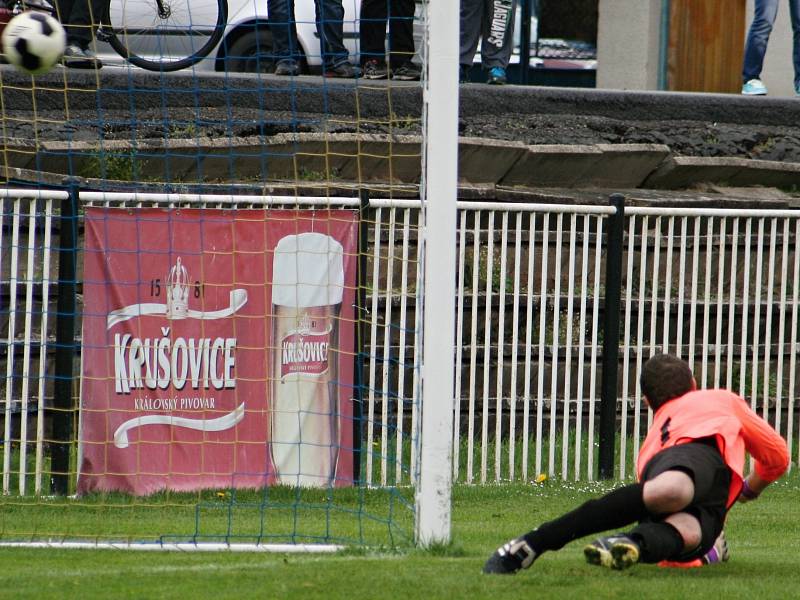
point(217, 349)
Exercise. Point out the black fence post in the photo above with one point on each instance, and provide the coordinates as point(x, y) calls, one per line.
point(608, 400)
point(360, 312)
point(63, 409)
point(525, 42)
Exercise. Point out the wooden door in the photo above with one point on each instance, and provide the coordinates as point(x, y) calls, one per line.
point(706, 45)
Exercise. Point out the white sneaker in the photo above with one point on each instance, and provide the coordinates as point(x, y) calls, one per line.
point(80, 58)
point(510, 558)
point(719, 553)
point(754, 87)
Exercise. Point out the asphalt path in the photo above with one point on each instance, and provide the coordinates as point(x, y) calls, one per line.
point(128, 90)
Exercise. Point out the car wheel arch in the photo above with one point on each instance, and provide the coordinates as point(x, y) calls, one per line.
point(242, 31)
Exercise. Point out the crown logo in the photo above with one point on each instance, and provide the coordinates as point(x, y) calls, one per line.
point(177, 284)
point(304, 325)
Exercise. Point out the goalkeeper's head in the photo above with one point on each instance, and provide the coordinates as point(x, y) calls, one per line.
point(665, 377)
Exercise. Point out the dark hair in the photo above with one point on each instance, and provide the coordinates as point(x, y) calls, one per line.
point(665, 377)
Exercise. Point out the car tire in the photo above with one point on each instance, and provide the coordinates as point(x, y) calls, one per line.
point(252, 53)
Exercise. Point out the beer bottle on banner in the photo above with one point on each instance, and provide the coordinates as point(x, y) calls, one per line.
point(307, 288)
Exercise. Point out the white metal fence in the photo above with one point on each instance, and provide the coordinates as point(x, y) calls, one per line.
point(717, 287)
point(26, 259)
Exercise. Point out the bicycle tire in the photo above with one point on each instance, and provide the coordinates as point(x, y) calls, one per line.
point(171, 39)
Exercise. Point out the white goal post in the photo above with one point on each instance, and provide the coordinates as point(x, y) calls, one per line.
point(439, 186)
point(420, 496)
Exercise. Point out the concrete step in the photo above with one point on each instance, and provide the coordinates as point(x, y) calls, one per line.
point(391, 159)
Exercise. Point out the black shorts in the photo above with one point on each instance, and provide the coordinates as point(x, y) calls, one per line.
point(703, 462)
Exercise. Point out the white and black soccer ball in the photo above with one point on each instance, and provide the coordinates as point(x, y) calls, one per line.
point(34, 42)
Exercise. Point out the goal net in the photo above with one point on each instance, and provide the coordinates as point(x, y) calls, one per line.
point(213, 284)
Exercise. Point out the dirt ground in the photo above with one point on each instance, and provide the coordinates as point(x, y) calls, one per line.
point(685, 138)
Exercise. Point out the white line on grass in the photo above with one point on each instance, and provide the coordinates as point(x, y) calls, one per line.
point(204, 568)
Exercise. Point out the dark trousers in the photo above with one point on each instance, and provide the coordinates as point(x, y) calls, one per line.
point(78, 18)
point(373, 20)
point(330, 27)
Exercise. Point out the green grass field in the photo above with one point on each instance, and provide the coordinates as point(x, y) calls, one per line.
point(762, 535)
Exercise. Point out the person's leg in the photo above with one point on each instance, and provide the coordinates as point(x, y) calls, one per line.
point(498, 34)
point(688, 526)
point(401, 32)
point(685, 493)
point(330, 27)
point(284, 35)
point(616, 509)
point(75, 16)
point(664, 534)
point(471, 17)
point(372, 30)
point(669, 492)
point(758, 37)
point(719, 553)
point(794, 9)
point(79, 18)
point(682, 500)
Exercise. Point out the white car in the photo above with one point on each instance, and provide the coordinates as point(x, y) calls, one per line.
point(246, 45)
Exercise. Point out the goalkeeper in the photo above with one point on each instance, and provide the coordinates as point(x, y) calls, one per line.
point(690, 472)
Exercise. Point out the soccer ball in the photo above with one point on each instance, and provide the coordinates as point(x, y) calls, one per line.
point(33, 42)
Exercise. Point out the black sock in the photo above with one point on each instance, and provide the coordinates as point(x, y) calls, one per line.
point(657, 541)
point(612, 511)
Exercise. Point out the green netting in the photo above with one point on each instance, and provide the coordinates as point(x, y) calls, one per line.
point(110, 436)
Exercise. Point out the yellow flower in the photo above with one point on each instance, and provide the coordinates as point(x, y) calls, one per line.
point(541, 478)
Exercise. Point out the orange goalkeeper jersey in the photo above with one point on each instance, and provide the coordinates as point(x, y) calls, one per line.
point(727, 417)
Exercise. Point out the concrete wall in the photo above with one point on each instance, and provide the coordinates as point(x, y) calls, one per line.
point(629, 42)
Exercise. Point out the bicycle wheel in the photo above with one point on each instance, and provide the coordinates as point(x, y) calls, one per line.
point(165, 35)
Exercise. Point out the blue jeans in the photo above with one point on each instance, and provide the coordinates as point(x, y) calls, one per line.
point(329, 17)
point(758, 36)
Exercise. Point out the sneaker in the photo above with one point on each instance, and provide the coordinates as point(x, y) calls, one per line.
point(407, 72)
point(497, 76)
point(719, 553)
point(80, 58)
point(374, 69)
point(463, 74)
point(288, 68)
point(754, 87)
point(797, 89)
point(343, 70)
point(510, 558)
point(613, 552)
